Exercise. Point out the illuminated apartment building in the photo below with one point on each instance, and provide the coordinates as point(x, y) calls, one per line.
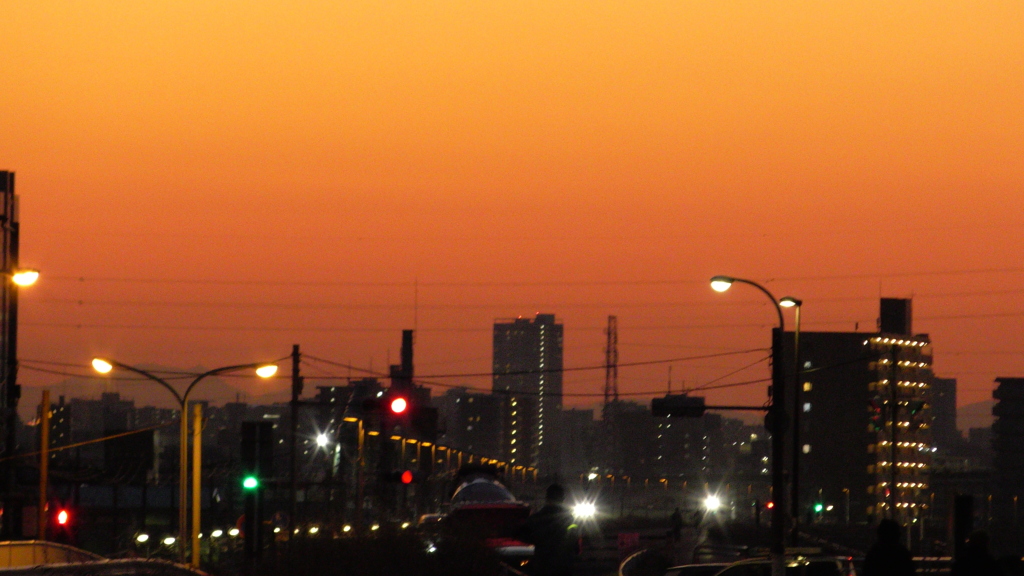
point(854, 386)
point(528, 376)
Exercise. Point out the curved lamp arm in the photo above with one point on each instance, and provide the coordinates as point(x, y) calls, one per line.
point(152, 377)
point(215, 372)
point(726, 280)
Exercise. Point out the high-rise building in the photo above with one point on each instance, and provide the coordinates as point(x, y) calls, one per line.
point(470, 421)
point(1008, 463)
point(944, 431)
point(865, 398)
point(528, 376)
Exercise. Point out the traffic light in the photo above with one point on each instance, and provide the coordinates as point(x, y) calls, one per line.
point(60, 523)
point(405, 477)
point(818, 507)
point(769, 505)
point(257, 460)
point(398, 405)
point(257, 451)
point(877, 414)
point(678, 406)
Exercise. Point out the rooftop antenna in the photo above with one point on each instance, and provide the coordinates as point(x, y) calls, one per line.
point(611, 364)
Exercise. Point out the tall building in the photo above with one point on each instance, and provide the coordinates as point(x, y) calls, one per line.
point(528, 375)
point(863, 399)
point(470, 421)
point(1008, 463)
point(944, 431)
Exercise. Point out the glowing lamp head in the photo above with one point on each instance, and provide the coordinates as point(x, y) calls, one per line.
point(399, 405)
point(712, 503)
point(170, 540)
point(322, 440)
point(102, 366)
point(266, 371)
point(25, 277)
point(790, 302)
point(721, 283)
point(63, 517)
point(142, 538)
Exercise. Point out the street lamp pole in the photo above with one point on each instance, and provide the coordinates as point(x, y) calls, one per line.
point(777, 427)
point(794, 538)
point(263, 370)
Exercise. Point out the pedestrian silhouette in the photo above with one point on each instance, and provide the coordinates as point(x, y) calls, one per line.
point(976, 560)
point(677, 525)
point(554, 535)
point(888, 557)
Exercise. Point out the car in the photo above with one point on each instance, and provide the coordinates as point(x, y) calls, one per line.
point(696, 569)
point(795, 566)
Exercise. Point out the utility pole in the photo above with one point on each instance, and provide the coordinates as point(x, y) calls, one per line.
point(294, 433)
point(44, 462)
point(10, 528)
point(777, 411)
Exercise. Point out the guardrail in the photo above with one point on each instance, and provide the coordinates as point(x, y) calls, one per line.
point(36, 552)
point(128, 567)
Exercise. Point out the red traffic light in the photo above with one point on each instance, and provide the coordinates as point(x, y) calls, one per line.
point(63, 517)
point(769, 505)
point(406, 477)
point(398, 405)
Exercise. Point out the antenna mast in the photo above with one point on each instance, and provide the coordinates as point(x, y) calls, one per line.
point(611, 364)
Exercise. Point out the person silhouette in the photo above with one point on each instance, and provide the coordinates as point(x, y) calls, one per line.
point(888, 556)
point(554, 535)
point(976, 560)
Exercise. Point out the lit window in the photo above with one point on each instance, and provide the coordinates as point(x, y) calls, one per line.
point(807, 448)
point(807, 406)
point(807, 386)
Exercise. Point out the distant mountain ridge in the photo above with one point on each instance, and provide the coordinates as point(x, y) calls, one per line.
point(977, 415)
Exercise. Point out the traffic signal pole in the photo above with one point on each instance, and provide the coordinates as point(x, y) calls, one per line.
point(294, 440)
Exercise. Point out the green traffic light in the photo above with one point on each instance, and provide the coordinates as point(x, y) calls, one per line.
point(818, 507)
point(250, 483)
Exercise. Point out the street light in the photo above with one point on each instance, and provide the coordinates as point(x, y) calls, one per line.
point(776, 416)
point(794, 537)
point(263, 370)
point(25, 277)
point(20, 278)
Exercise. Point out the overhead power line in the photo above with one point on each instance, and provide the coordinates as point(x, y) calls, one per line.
point(551, 371)
point(464, 284)
point(87, 442)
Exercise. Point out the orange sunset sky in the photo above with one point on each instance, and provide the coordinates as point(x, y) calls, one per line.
point(208, 182)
